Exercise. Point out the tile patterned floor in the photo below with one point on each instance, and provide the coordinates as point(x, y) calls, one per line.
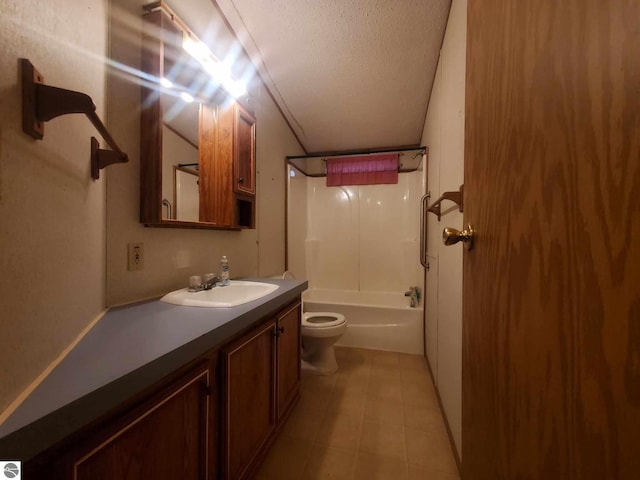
point(376, 419)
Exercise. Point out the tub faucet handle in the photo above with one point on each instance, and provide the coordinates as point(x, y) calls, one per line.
point(413, 293)
point(418, 291)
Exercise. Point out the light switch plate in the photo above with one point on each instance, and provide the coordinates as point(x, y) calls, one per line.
point(135, 256)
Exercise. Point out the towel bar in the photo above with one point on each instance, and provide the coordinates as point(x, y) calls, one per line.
point(41, 103)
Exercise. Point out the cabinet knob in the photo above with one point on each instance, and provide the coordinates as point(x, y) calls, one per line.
point(279, 331)
point(240, 180)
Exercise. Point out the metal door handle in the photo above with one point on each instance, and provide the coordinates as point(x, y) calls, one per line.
point(451, 236)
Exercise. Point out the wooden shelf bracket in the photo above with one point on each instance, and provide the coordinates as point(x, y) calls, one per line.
point(455, 197)
point(41, 103)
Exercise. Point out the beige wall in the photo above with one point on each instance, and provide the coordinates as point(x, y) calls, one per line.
point(444, 134)
point(274, 142)
point(52, 225)
point(54, 233)
point(172, 255)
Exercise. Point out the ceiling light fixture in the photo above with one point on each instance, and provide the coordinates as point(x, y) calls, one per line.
point(216, 69)
point(187, 97)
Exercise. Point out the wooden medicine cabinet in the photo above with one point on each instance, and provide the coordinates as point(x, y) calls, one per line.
point(197, 142)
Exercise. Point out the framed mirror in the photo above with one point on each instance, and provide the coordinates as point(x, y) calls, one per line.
point(192, 134)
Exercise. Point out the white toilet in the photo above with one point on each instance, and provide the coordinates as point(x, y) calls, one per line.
point(320, 330)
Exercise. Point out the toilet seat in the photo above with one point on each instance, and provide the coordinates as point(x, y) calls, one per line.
point(322, 319)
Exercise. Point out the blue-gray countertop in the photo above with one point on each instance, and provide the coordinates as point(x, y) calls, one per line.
point(130, 349)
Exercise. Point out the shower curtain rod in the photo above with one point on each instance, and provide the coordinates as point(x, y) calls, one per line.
point(356, 152)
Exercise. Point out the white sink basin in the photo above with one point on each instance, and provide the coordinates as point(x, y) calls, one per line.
point(237, 293)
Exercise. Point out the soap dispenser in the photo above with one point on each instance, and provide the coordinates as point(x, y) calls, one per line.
point(224, 271)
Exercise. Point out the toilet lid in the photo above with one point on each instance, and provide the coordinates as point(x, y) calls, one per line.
point(322, 319)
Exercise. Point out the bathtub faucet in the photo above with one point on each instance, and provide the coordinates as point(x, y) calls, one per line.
point(415, 293)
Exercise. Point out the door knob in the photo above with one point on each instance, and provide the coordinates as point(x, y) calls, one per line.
point(451, 236)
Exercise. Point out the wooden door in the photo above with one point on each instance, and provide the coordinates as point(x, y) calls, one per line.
point(164, 440)
point(249, 406)
point(551, 337)
point(244, 152)
point(288, 364)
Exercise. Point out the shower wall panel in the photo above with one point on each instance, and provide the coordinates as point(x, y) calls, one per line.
point(364, 237)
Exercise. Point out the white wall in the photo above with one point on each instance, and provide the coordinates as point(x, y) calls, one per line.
point(52, 213)
point(274, 142)
point(444, 134)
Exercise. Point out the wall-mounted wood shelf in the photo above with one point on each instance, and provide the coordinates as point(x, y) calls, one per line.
point(455, 197)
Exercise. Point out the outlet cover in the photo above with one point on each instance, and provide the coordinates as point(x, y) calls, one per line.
point(135, 256)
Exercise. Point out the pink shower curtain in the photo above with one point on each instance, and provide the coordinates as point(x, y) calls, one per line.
point(362, 170)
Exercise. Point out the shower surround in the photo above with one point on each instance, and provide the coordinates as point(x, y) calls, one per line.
point(358, 246)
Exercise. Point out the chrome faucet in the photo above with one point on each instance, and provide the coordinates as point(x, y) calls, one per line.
point(415, 293)
point(210, 281)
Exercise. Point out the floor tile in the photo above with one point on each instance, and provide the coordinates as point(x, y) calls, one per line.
point(419, 378)
point(351, 383)
point(286, 459)
point(339, 430)
point(377, 418)
point(419, 472)
point(383, 411)
point(330, 463)
point(384, 440)
point(380, 358)
point(348, 401)
point(375, 467)
point(427, 448)
point(416, 392)
point(303, 424)
point(355, 369)
point(412, 362)
point(317, 382)
point(315, 397)
point(384, 372)
point(385, 388)
point(422, 417)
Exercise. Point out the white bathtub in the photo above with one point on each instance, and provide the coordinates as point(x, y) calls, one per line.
point(375, 320)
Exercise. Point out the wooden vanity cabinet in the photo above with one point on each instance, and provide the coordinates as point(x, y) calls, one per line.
point(288, 358)
point(249, 414)
point(212, 419)
point(261, 379)
point(172, 435)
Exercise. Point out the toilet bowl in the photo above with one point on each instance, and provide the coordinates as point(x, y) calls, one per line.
point(320, 330)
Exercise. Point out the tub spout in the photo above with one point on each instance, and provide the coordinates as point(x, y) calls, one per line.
point(414, 293)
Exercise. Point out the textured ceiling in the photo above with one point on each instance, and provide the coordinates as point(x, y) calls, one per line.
point(347, 74)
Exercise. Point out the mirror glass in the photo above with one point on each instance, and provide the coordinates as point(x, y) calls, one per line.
point(180, 160)
point(186, 86)
point(180, 132)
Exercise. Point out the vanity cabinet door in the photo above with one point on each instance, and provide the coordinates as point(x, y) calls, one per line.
point(249, 399)
point(164, 439)
point(288, 375)
point(244, 152)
